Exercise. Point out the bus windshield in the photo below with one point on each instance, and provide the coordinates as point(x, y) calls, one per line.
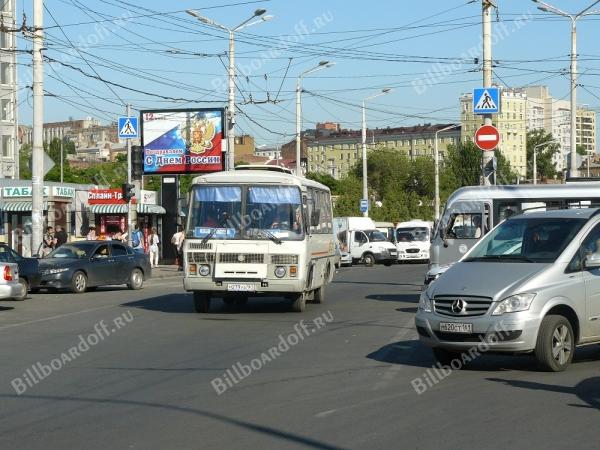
point(412, 234)
point(246, 212)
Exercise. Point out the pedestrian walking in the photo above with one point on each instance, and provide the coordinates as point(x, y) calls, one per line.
point(49, 241)
point(153, 242)
point(137, 240)
point(61, 236)
point(177, 242)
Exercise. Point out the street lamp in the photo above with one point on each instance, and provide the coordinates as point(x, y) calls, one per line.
point(231, 73)
point(535, 147)
point(436, 168)
point(322, 65)
point(574, 17)
point(364, 146)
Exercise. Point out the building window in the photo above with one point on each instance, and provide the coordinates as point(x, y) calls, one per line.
point(6, 5)
point(6, 145)
point(4, 73)
point(5, 112)
point(4, 39)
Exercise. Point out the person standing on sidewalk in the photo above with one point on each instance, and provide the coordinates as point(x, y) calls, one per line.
point(137, 240)
point(153, 242)
point(61, 236)
point(177, 241)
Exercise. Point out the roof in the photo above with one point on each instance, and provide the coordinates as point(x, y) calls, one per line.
point(531, 192)
point(573, 213)
point(251, 176)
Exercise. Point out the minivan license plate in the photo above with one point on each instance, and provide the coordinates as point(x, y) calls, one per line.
point(450, 327)
point(240, 287)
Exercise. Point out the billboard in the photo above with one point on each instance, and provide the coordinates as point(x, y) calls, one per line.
point(182, 140)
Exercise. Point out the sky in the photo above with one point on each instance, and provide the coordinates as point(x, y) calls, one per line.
point(102, 54)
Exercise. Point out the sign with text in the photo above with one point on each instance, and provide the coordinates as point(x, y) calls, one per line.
point(106, 197)
point(182, 140)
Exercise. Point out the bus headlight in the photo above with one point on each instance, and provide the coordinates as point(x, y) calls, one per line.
point(204, 270)
point(280, 271)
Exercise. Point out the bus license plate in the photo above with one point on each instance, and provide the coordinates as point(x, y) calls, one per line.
point(240, 287)
point(450, 327)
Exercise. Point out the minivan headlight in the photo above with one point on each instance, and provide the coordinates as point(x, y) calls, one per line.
point(424, 302)
point(514, 303)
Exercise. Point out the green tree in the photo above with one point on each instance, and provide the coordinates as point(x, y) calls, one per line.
point(580, 149)
point(326, 179)
point(544, 154)
point(463, 167)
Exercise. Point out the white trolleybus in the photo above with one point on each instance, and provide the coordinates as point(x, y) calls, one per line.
point(258, 231)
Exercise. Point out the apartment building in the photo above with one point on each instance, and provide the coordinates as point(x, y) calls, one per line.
point(586, 129)
point(336, 152)
point(9, 145)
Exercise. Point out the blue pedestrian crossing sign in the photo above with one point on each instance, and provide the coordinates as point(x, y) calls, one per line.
point(128, 127)
point(486, 100)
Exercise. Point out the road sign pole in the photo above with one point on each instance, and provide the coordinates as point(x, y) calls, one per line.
point(487, 157)
point(129, 215)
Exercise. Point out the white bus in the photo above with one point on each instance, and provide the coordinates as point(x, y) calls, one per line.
point(474, 210)
point(258, 231)
point(413, 240)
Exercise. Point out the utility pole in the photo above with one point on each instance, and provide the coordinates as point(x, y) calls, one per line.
point(37, 159)
point(129, 212)
point(62, 140)
point(231, 105)
point(365, 194)
point(487, 156)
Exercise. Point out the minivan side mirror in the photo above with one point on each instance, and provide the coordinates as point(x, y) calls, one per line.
point(591, 263)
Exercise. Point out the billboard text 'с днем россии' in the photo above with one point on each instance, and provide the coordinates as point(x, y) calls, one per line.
point(182, 141)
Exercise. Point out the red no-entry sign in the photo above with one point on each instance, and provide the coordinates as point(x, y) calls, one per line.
point(487, 137)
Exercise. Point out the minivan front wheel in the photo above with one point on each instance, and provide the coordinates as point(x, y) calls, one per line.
point(555, 343)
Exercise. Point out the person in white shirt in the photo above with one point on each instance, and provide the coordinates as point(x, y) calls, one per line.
point(153, 242)
point(177, 241)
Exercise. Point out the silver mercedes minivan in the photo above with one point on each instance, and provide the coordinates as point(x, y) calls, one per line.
point(531, 285)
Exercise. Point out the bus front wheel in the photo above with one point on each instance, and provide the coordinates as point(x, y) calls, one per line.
point(299, 302)
point(201, 302)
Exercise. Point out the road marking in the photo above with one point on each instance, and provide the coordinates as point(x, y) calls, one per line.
point(325, 413)
point(60, 316)
point(405, 331)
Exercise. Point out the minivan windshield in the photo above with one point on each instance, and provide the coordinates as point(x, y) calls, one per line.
point(375, 236)
point(523, 239)
point(412, 234)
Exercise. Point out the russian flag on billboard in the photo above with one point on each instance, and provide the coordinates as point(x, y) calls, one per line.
point(182, 141)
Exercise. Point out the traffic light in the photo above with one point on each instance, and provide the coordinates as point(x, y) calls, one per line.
point(128, 191)
point(137, 162)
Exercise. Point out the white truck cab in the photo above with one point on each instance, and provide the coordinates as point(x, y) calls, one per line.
point(363, 241)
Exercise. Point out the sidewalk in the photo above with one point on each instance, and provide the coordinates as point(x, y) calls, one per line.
point(166, 271)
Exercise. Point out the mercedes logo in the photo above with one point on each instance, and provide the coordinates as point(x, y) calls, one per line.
point(241, 258)
point(458, 306)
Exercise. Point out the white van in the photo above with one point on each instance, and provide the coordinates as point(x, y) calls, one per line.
point(413, 240)
point(359, 237)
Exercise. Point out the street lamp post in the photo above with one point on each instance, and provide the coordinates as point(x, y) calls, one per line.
point(574, 17)
point(535, 147)
point(364, 146)
point(322, 65)
point(436, 169)
point(231, 73)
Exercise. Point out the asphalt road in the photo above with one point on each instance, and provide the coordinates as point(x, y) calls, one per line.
point(344, 380)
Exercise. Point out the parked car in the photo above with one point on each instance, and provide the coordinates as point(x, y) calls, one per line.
point(531, 285)
point(85, 265)
point(29, 274)
point(10, 288)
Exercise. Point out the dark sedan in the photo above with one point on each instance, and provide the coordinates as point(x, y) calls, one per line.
point(85, 265)
point(29, 274)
